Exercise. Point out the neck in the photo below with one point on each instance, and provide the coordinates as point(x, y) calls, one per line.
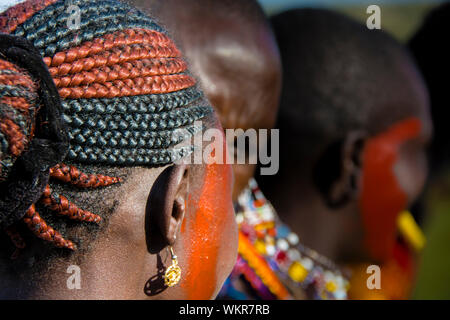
point(332, 233)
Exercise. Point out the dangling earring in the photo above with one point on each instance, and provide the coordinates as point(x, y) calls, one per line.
point(173, 273)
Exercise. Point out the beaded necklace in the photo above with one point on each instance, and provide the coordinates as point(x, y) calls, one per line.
point(271, 258)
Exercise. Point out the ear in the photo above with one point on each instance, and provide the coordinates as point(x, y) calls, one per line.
point(166, 207)
point(337, 173)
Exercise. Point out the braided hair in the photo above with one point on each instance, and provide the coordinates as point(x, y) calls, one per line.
point(112, 92)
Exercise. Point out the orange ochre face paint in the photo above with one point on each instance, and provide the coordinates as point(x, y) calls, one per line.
point(210, 235)
point(382, 198)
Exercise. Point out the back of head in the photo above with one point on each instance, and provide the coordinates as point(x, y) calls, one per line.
point(339, 76)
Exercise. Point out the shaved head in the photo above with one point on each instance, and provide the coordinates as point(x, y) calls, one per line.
point(339, 76)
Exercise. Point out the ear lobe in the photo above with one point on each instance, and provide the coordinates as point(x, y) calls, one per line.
point(338, 171)
point(166, 207)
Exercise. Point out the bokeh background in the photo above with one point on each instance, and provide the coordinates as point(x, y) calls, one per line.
point(402, 18)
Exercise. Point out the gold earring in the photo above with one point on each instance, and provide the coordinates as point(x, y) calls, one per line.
point(173, 273)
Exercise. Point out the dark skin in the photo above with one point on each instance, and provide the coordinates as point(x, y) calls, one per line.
point(338, 232)
point(130, 254)
point(237, 62)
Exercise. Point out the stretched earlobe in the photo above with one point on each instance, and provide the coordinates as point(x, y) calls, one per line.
point(166, 208)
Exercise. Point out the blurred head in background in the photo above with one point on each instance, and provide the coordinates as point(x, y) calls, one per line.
point(232, 50)
point(354, 121)
point(431, 54)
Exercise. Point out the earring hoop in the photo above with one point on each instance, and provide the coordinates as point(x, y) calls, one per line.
point(173, 272)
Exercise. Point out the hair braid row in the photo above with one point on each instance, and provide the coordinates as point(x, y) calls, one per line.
point(39, 227)
point(153, 103)
point(130, 70)
point(108, 44)
point(97, 19)
point(63, 206)
point(72, 175)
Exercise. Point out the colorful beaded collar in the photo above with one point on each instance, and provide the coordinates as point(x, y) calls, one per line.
point(272, 260)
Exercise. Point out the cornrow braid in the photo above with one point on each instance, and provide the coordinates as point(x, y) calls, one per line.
point(40, 228)
point(153, 103)
point(128, 70)
point(106, 52)
point(47, 29)
point(72, 175)
point(125, 93)
point(137, 86)
point(63, 206)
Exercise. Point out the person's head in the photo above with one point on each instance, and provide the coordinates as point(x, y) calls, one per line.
point(108, 94)
point(429, 48)
point(231, 48)
point(354, 124)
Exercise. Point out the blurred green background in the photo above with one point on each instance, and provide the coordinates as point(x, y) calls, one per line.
point(399, 17)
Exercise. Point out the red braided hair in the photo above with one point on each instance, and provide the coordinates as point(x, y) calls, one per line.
point(18, 138)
